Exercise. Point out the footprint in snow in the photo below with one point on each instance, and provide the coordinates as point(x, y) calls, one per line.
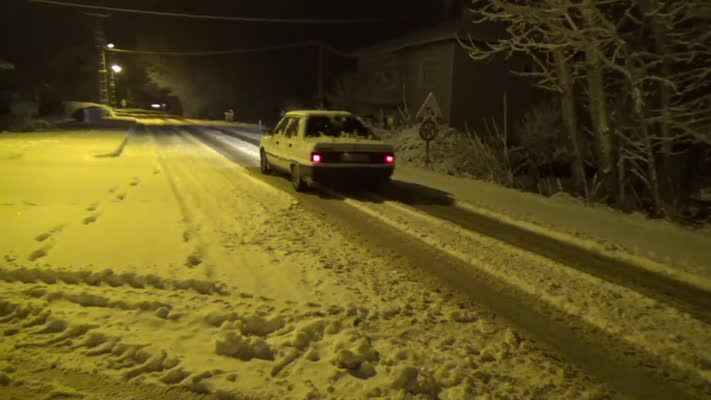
point(43, 236)
point(37, 254)
point(46, 235)
point(193, 260)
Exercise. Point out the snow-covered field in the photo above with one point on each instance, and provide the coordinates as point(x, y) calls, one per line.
point(158, 263)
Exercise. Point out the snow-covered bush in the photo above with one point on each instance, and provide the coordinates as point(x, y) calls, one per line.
point(456, 153)
point(546, 154)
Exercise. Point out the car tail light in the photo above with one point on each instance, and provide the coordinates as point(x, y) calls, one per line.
point(389, 159)
point(316, 158)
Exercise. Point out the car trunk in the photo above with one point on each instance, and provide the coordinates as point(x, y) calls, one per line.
point(352, 146)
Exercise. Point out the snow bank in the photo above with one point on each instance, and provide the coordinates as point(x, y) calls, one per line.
point(656, 245)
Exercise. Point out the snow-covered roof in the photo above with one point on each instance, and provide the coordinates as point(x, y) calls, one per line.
point(306, 113)
point(6, 65)
point(447, 31)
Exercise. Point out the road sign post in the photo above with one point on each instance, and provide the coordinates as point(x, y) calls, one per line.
point(428, 132)
point(429, 117)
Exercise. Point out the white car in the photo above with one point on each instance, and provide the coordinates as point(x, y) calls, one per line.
point(322, 146)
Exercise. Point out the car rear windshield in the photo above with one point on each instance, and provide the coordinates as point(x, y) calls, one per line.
point(336, 126)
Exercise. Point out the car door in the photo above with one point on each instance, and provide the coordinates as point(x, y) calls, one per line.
point(273, 147)
point(291, 140)
point(301, 148)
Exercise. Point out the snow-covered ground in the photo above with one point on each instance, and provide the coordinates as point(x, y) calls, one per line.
point(158, 262)
point(673, 337)
point(656, 245)
point(659, 246)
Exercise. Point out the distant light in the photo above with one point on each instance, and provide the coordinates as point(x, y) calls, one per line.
point(117, 68)
point(316, 158)
point(156, 106)
point(110, 46)
point(389, 159)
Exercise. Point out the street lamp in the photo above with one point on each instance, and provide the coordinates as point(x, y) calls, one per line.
point(110, 46)
point(116, 68)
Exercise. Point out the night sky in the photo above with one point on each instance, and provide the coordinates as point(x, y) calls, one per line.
point(46, 42)
point(32, 32)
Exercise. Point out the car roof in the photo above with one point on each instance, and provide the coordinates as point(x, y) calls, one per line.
point(309, 113)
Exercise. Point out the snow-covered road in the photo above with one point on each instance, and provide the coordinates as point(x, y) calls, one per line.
point(688, 298)
point(177, 264)
point(581, 305)
point(595, 299)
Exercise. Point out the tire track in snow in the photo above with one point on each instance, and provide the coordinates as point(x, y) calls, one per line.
point(165, 137)
point(692, 300)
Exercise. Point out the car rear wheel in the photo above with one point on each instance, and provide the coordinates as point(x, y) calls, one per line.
point(296, 179)
point(264, 165)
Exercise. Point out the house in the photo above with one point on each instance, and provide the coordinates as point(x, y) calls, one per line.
point(405, 69)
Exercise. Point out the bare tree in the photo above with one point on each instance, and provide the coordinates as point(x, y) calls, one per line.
point(652, 58)
point(663, 51)
point(537, 31)
point(594, 42)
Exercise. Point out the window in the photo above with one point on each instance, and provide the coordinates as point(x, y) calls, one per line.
point(281, 126)
point(336, 126)
point(292, 129)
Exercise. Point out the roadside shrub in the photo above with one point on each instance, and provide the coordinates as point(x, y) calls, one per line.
point(546, 156)
point(541, 133)
point(456, 153)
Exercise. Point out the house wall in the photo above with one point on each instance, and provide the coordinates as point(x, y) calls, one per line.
point(8, 83)
point(479, 90)
point(429, 69)
point(417, 70)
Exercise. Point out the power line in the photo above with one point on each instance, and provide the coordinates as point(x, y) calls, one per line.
point(209, 17)
point(231, 51)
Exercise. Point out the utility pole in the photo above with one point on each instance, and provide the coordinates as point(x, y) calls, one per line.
point(113, 97)
point(320, 89)
point(112, 89)
point(100, 44)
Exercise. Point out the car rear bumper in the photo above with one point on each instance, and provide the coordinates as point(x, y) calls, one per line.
point(326, 174)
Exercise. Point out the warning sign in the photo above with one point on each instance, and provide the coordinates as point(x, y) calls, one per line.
point(429, 110)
